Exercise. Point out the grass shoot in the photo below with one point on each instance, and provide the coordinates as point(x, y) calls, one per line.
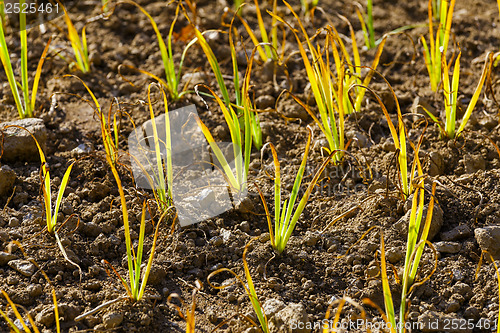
point(26, 99)
point(450, 92)
point(172, 75)
point(436, 53)
point(285, 218)
point(367, 24)
point(109, 135)
point(51, 214)
point(237, 179)
point(415, 246)
point(161, 182)
point(331, 89)
point(249, 289)
point(138, 276)
point(79, 45)
point(269, 39)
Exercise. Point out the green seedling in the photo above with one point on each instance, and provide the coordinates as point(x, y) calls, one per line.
point(109, 136)
point(450, 92)
point(237, 179)
point(25, 100)
point(52, 213)
point(436, 54)
point(367, 24)
point(249, 289)
point(269, 41)
point(406, 177)
point(285, 217)
point(242, 103)
point(415, 246)
point(79, 45)
point(172, 75)
point(161, 183)
point(308, 6)
point(138, 276)
point(332, 88)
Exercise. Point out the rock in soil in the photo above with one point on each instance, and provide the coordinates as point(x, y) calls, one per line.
point(448, 247)
point(488, 239)
point(293, 317)
point(24, 267)
point(112, 320)
point(272, 306)
point(7, 179)
point(459, 232)
point(18, 144)
point(46, 316)
point(6, 257)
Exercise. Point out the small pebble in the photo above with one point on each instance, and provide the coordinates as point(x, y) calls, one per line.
point(13, 222)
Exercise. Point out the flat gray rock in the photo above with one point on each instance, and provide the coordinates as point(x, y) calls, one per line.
point(6, 257)
point(18, 144)
point(24, 267)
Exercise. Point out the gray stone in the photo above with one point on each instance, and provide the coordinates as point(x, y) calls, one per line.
point(245, 205)
point(46, 316)
point(34, 290)
point(112, 320)
point(272, 306)
point(191, 79)
point(24, 267)
point(226, 235)
point(436, 166)
point(18, 144)
point(393, 255)
point(13, 222)
point(291, 109)
point(448, 247)
point(206, 198)
point(245, 226)
point(6, 257)
point(293, 313)
point(360, 140)
point(459, 232)
point(311, 238)
point(473, 163)
point(264, 102)
point(216, 241)
point(7, 179)
point(488, 239)
point(156, 275)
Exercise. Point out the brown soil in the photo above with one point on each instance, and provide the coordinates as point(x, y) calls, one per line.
point(313, 270)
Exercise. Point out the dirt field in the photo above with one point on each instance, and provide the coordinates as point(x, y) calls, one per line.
point(321, 263)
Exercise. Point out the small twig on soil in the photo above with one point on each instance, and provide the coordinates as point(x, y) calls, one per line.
point(100, 307)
